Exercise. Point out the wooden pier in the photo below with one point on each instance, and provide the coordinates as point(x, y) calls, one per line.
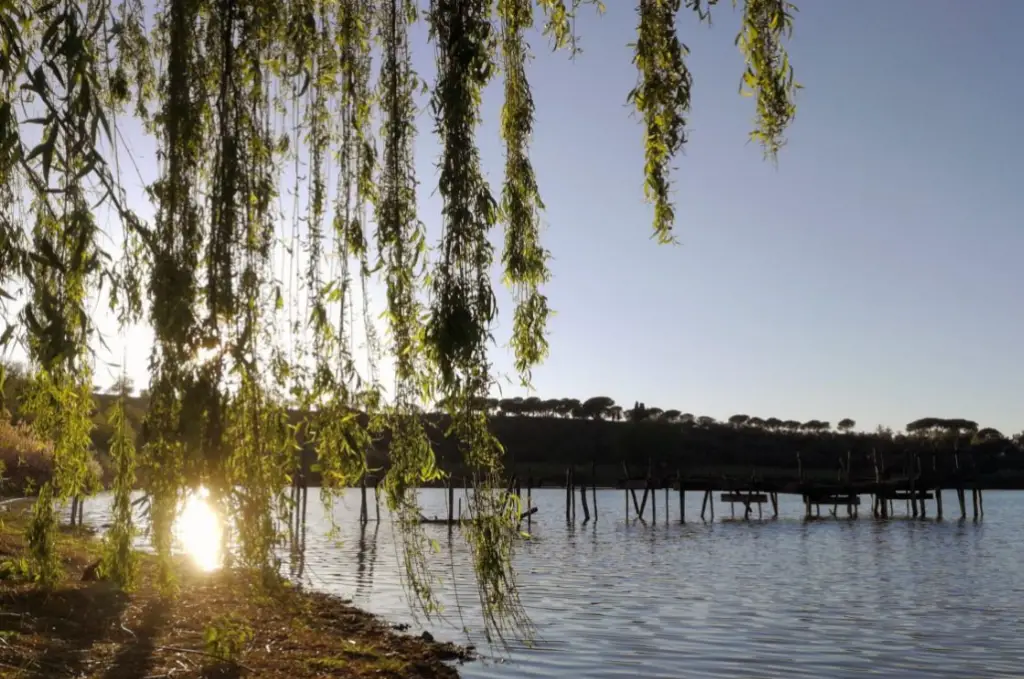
point(912, 482)
point(912, 487)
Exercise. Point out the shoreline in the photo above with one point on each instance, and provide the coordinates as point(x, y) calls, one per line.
point(88, 628)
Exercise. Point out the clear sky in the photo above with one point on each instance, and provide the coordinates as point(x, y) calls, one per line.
point(872, 274)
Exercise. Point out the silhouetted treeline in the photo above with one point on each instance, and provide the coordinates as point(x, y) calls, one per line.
point(542, 437)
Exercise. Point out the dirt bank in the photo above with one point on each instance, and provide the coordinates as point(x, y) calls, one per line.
point(90, 629)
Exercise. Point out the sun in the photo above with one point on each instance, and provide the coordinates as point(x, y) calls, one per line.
point(200, 531)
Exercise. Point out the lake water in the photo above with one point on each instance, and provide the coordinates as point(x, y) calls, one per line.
point(772, 598)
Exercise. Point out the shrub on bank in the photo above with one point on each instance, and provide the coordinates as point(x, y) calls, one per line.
point(26, 462)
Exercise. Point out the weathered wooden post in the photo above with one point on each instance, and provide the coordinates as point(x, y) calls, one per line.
point(876, 509)
point(960, 495)
point(451, 501)
point(654, 505)
point(583, 502)
point(593, 485)
point(643, 502)
point(682, 498)
point(529, 502)
point(568, 496)
point(704, 504)
point(850, 507)
point(572, 495)
point(363, 513)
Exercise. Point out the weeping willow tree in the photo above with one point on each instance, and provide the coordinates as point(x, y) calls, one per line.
point(244, 97)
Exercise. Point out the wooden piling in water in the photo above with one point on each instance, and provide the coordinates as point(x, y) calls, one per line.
point(682, 498)
point(568, 496)
point(529, 502)
point(593, 485)
point(704, 504)
point(305, 502)
point(572, 495)
point(974, 501)
point(643, 503)
point(775, 505)
point(363, 513)
point(583, 501)
point(938, 503)
point(924, 491)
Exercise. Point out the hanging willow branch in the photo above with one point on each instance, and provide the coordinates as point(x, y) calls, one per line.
point(769, 76)
point(662, 97)
point(525, 260)
point(214, 84)
point(402, 246)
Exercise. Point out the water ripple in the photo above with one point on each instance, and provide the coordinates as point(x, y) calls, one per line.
point(770, 598)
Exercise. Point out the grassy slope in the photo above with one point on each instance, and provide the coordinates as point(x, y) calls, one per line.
point(90, 629)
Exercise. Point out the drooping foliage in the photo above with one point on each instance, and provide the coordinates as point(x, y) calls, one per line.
point(285, 132)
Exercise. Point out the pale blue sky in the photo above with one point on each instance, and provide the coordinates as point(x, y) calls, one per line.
point(873, 274)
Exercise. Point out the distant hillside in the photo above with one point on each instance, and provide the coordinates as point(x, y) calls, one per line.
point(542, 438)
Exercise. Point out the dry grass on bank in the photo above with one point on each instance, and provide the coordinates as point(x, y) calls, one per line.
point(25, 461)
point(90, 629)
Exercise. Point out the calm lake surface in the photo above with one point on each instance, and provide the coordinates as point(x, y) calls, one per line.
point(772, 598)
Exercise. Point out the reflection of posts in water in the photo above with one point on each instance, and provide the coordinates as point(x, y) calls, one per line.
point(297, 555)
point(366, 559)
